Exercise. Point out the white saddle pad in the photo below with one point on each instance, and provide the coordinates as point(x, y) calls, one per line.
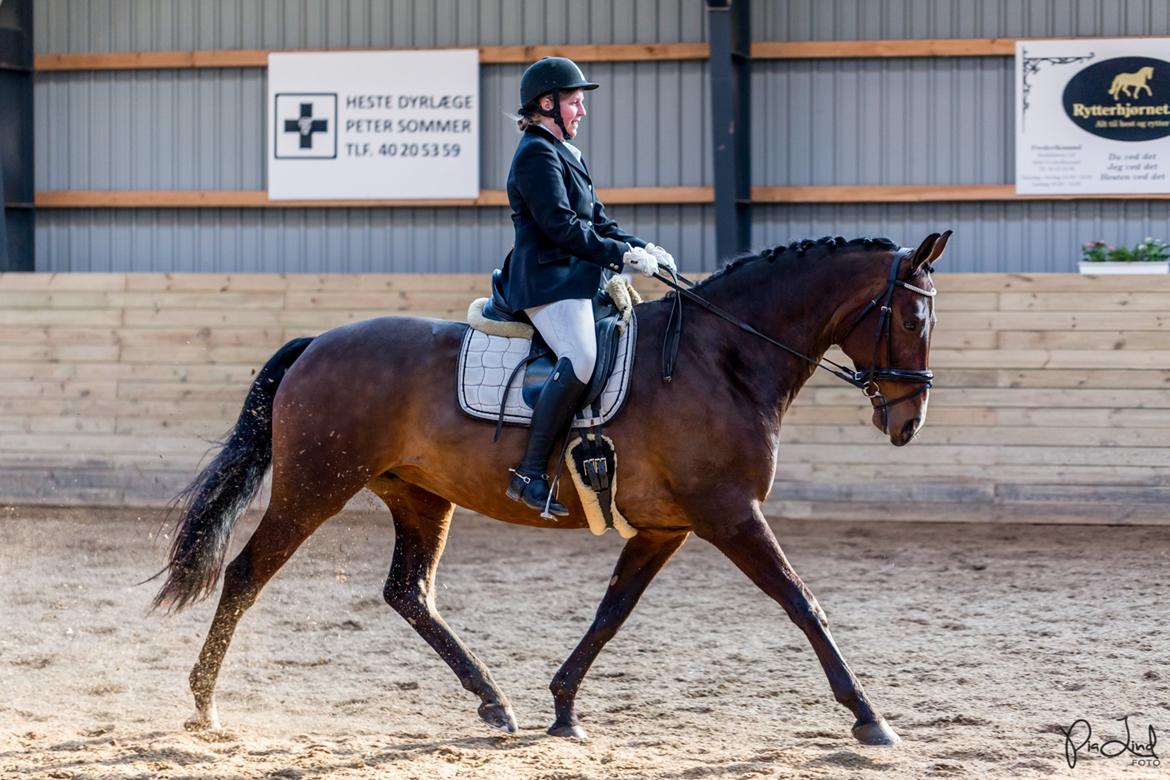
point(486, 362)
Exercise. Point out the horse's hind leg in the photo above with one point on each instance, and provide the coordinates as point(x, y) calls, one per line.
point(751, 545)
point(421, 520)
point(643, 557)
point(276, 538)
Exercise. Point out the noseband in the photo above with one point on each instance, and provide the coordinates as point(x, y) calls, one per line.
point(867, 380)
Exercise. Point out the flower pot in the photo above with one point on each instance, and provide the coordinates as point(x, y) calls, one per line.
point(1100, 269)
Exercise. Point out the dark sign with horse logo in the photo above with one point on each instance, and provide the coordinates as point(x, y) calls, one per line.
point(1122, 99)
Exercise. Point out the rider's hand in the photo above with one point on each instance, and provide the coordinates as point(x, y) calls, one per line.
point(639, 258)
point(663, 257)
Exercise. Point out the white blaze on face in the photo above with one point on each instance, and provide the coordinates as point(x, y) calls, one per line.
point(922, 412)
point(924, 310)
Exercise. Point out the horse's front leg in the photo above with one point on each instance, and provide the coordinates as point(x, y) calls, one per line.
point(750, 544)
point(641, 559)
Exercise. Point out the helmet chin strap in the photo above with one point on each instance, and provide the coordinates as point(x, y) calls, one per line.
point(555, 114)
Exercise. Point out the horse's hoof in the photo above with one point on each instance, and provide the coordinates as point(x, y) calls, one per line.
point(206, 718)
point(201, 723)
point(498, 716)
point(876, 732)
point(570, 730)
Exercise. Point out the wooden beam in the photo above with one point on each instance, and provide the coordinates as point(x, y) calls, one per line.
point(620, 52)
point(231, 199)
point(617, 52)
point(151, 60)
point(626, 196)
point(917, 47)
point(258, 58)
point(250, 199)
point(620, 196)
point(916, 193)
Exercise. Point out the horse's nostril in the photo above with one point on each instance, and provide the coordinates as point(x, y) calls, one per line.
point(910, 428)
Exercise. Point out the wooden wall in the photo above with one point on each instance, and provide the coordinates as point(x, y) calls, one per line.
point(1052, 402)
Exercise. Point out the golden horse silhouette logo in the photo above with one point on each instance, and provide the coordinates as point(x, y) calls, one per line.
point(1132, 84)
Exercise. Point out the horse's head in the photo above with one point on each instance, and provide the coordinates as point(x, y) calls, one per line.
point(888, 340)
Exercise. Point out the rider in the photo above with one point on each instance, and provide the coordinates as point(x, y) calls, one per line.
point(564, 242)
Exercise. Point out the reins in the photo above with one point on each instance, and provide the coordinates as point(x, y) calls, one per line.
point(866, 381)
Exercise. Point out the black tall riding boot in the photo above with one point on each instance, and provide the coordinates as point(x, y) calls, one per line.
point(558, 401)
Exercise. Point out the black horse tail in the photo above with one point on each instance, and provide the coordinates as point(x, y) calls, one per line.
point(212, 504)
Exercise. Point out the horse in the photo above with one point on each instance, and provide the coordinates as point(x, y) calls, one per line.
point(372, 405)
point(1132, 84)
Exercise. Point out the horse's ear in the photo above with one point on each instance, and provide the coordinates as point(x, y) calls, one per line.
point(929, 250)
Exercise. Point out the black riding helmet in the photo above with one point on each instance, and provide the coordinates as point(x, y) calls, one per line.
point(551, 75)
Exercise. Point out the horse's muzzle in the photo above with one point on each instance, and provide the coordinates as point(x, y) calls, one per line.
point(908, 432)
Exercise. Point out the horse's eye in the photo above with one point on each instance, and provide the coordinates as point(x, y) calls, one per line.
point(910, 324)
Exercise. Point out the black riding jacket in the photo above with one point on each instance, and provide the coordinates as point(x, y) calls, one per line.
point(563, 237)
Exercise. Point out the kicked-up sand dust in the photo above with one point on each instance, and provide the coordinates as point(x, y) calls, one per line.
point(978, 643)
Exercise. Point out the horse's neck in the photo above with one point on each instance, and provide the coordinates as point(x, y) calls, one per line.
point(799, 303)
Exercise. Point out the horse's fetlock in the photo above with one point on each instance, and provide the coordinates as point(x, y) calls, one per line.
point(411, 604)
point(560, 688)
point(809, 615)
point(853, 698)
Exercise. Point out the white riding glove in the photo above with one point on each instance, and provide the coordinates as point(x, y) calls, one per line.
point(663, 257)
point(639, 258)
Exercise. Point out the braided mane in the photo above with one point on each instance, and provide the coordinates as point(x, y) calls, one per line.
point(804, 248)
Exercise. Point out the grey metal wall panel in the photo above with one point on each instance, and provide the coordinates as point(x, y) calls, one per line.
point(405, 240)
point(151, 130)
point(807, 20)
point(1028, 236)
point(896, 121)
point(66, 26)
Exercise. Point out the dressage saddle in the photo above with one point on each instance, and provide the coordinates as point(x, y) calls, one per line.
point(541, 359)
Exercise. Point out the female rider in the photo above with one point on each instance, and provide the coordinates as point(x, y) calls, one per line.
point(564, 242)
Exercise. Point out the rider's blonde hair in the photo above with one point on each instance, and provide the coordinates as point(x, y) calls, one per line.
point(527, 119)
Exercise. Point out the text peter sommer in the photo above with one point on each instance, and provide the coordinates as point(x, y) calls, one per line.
point(405, 125)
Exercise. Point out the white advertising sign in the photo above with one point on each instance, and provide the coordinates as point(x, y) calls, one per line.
point(1093, 116)
point(373, 125)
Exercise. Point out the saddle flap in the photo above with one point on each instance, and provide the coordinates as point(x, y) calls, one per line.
point(541, 361)
point(608, 335)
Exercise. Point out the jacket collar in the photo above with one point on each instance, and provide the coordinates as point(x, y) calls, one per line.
point(562, 150)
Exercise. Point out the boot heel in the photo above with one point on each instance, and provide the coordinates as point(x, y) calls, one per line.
point(517, 486)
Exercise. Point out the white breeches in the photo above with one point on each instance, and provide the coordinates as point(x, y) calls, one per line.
point(567, 326)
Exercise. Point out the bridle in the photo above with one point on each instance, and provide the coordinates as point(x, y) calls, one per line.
point(866, 381)
point(869, 378)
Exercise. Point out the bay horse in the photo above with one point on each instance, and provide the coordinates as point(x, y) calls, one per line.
point(373, 405)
